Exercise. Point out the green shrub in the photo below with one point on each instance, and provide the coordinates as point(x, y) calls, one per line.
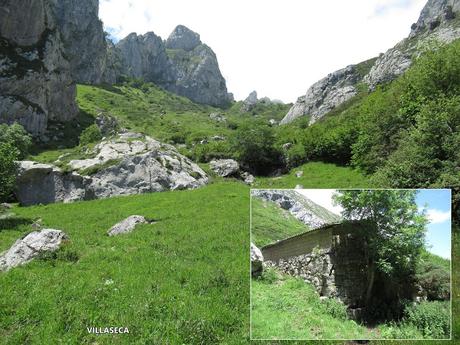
point(433, 277)
point(393, 330)
point(431, 318)
point(335, 308)
point(254, 148)
point(270, 275)
point(17, 136)
point(8, 168)
point(90, 135)
point(213, 150)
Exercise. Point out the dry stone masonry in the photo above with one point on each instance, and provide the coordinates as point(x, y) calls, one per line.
point(331, 258)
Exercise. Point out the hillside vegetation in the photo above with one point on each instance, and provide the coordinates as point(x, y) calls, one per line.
point(270, 223)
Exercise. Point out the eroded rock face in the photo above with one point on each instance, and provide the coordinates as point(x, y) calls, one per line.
point(325, 95)
point(250, 102)
point(144, 56)
point(84, 40)
point(35, 80)
point(45, 183)
point(183, 38)
point(182, 65)
point(435, 25)
point(257, 261)
point(26, 249)
point(127, 164)
point(126, 225)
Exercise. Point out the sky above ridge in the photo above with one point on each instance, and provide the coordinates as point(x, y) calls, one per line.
point(278, 48)
point(435, 202)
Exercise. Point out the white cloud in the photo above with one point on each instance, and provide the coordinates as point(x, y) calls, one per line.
point(278, 48)
point(438, 216)
point(322, 197)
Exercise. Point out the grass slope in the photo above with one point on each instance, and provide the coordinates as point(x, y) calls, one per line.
point(291, 309)
point(271, 223)
point(317, 175)
point(182, 280)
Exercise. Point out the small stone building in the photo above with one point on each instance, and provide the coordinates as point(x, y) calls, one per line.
point(331, 257)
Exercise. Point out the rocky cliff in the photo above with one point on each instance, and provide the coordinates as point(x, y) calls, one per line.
point(438, 24)
point(301, 207)
point(182, 64)
point(35, 79)
point(84, 40)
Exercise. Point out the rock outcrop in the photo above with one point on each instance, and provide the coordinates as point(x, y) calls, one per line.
point(250, 102)
point(182, 65)
point(230, 168)
point(144, 56)
point(126, 225)
point(124, 165)
point(84, 40)
point(45, 183)
point(437, 24)
point(257, 261)
point(325, 95)
point(35, 79)
point(301, 207)
point(31, 246)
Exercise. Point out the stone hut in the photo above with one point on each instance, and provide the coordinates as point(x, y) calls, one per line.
point(332, 258)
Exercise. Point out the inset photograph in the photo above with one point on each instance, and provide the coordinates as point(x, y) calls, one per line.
point(350, 264)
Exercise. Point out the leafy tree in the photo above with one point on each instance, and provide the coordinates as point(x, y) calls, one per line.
point(254, 148)
point(396, 233)
point(17, 136)
point(8, 167)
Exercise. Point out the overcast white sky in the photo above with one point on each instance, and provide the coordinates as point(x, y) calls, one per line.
point(276, 47)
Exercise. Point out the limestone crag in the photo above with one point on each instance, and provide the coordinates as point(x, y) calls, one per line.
point(84, 39)
point(123, 165)
point(325, 95)
point(31, 246)
point(437, 25)
point(182, 64)
point(299, 206)
point(250, 102)
point(35, 79)
point(45, 183)
point(144, 56)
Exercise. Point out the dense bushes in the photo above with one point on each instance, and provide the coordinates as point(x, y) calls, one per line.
point(16, 136)
point(14, 145)
point(431, 318)
point(433, 277)
point(407, 133)
point(90, 135)
point(8, 156)
point(253, 146)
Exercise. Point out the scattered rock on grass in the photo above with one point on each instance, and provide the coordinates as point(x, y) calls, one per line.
point(257, 260)
point(30, 246)
point(225, 167)
point(127, 225)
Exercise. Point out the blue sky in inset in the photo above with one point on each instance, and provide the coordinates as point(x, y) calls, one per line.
point(437, 203)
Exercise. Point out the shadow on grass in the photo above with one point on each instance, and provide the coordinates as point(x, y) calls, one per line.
point(13, 223)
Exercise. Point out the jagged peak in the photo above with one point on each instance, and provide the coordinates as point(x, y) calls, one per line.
point(434, 13)
point(183, 38)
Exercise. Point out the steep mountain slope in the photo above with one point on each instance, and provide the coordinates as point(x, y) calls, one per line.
point(301, 207)
point(438, 24)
